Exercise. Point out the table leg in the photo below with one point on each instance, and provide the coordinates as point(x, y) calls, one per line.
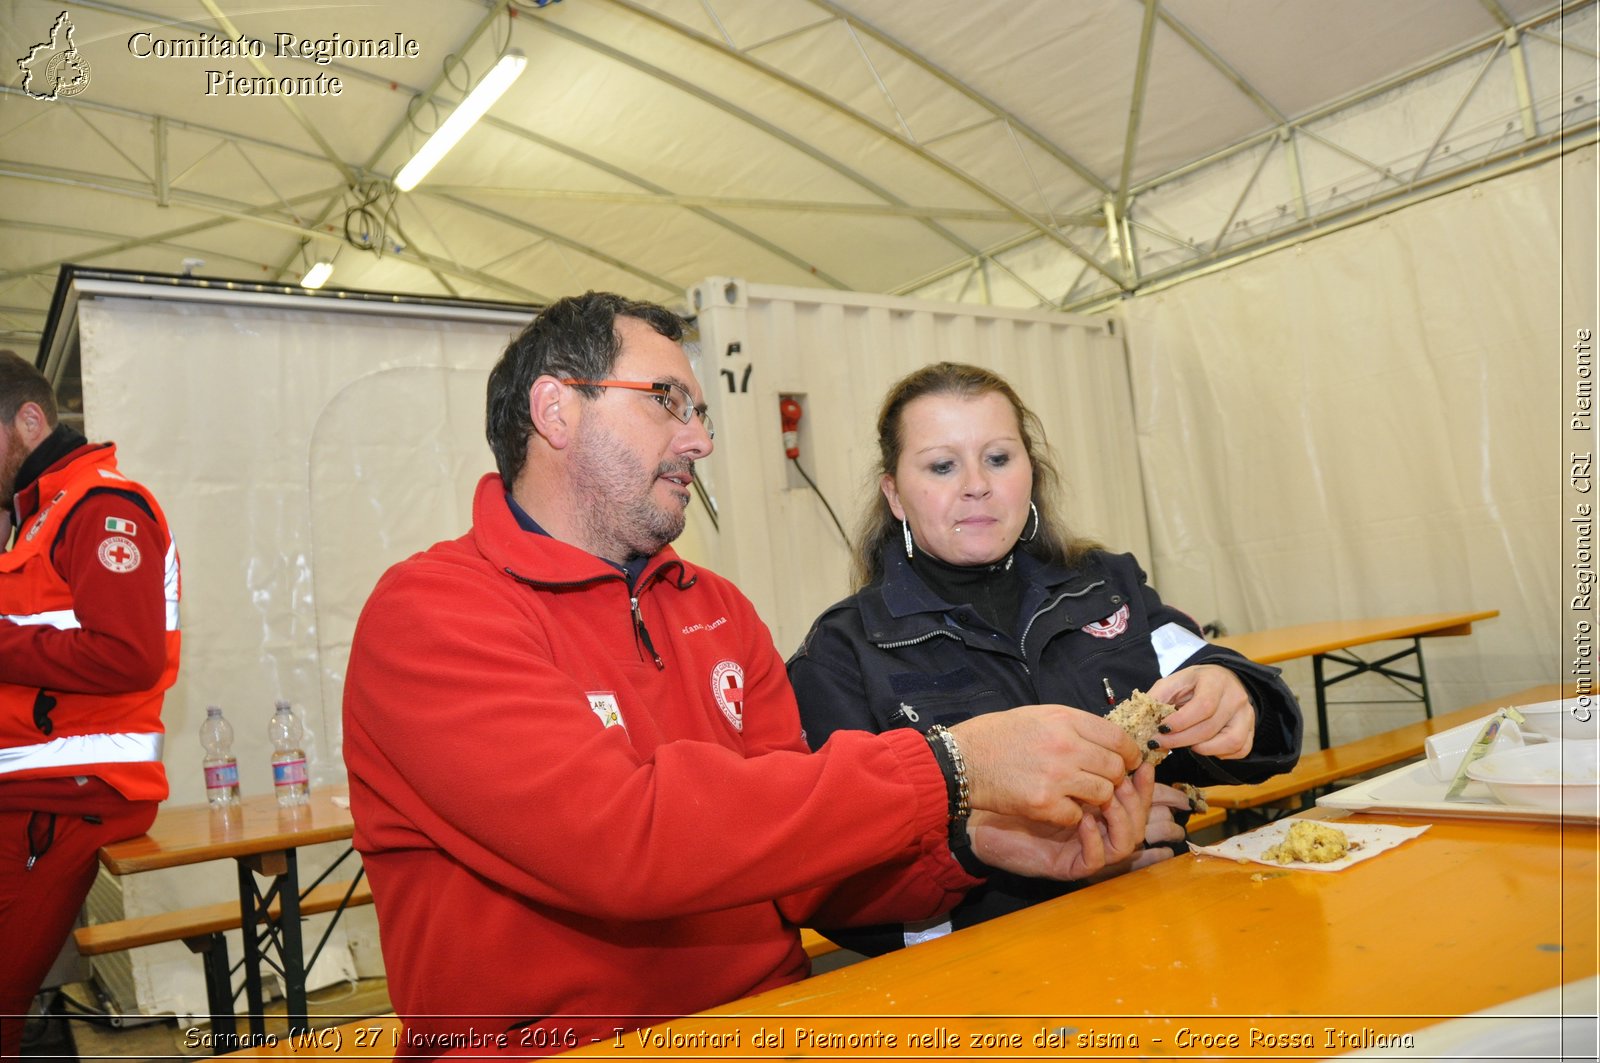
point(219, 988)
point(1322, 699)
point(252, 952)
point(283, 868)
point(1422, 680)
point(1357, 666)
point(291, 951)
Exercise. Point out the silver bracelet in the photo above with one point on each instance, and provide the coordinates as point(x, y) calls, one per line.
point(963, 789)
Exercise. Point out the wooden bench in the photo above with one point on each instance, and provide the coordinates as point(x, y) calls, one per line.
point(202, 922)
point(201, 929)
point(1323, 767)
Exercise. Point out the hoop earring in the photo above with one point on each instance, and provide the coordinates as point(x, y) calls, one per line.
point(1035, 535)
point(906, 530)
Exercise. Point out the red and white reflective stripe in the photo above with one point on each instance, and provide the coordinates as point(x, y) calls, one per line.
point(1175, 644)
point(58, 618)
point(170, 586)
point(66, 619)
point(75, 750)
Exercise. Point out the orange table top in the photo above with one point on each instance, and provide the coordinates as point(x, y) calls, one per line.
point(1305, 640)
point(1194, 957)
point(193, 834)
point(1195, 952)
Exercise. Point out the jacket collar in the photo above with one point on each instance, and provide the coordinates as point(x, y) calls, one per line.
point(61, 448)
point(546, 560)
point(901, 605)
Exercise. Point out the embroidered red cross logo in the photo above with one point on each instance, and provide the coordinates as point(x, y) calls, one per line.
point(731, 689)
point(119, 554)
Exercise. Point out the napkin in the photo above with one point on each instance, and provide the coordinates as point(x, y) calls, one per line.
point(1374, 838)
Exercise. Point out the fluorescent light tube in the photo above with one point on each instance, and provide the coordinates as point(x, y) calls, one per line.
point(465, 116)
point(317, 275)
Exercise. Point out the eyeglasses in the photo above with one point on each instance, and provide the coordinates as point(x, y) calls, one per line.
point(674, 399)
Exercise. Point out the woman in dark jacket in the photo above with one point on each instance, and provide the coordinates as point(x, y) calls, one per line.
point(972, 598)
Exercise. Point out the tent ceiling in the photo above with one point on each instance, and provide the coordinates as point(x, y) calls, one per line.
point(1032, 152)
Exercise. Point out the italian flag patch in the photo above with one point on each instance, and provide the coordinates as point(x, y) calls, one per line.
point(117, 524)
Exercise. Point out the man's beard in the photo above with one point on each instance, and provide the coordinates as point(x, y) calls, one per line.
point(616, 509)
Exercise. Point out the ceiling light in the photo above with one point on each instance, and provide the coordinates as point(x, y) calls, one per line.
point(479, 100)
point(317, 275)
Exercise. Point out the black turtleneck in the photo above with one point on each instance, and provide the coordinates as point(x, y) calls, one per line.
point(61, 441)
point(994, 591)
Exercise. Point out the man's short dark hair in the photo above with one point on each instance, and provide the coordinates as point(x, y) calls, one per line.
point(573, 338)
point(20, 382)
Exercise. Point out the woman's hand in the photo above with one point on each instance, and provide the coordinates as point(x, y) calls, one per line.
point(1215, 716)
point(1043, 850)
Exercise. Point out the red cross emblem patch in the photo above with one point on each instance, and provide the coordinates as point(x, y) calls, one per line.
point(119, 554)
point(727, 687)
point(1111, 626)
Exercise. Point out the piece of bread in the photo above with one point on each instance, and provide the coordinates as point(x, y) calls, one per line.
point(1197, 800)
point(1310, 842)
point(1140, 716)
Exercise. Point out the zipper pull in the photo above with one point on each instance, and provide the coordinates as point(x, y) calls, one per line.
point(643, 633)
point(908, 714)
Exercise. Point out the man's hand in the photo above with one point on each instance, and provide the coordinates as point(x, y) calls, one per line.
point(1043, 850)
point(1215, 716)
point(1044, 762)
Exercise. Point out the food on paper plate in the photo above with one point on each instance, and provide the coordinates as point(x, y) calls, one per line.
point(1140, 716)
point(1310, 842)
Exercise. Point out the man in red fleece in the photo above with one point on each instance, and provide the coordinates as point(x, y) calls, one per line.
point(88, 644)
point(576, 767)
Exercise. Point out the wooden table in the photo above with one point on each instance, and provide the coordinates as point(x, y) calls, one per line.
point(264, 839)
point(1188, 955)
point(1327, 766)
point(1332, 640)
point(1179, 959)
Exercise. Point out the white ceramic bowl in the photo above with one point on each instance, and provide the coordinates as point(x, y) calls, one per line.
point(1556, 775)
point(1562, 719)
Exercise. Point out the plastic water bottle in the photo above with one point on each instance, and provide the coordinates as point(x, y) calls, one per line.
point(289, 778)
point(221, 766)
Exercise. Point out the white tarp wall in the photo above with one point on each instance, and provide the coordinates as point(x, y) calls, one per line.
point(839, 352)
point(299, 448)
point(1372, 424)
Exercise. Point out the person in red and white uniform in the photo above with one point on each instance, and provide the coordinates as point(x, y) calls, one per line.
point(89, 641)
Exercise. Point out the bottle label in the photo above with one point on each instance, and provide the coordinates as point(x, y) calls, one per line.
point(289, 772)
point(219, 776)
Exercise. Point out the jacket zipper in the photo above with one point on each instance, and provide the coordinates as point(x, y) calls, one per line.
point(912, 642)
point(641, 634)
point(1022, 643)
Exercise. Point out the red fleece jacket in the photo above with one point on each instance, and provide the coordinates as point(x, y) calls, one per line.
point(564, 837)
